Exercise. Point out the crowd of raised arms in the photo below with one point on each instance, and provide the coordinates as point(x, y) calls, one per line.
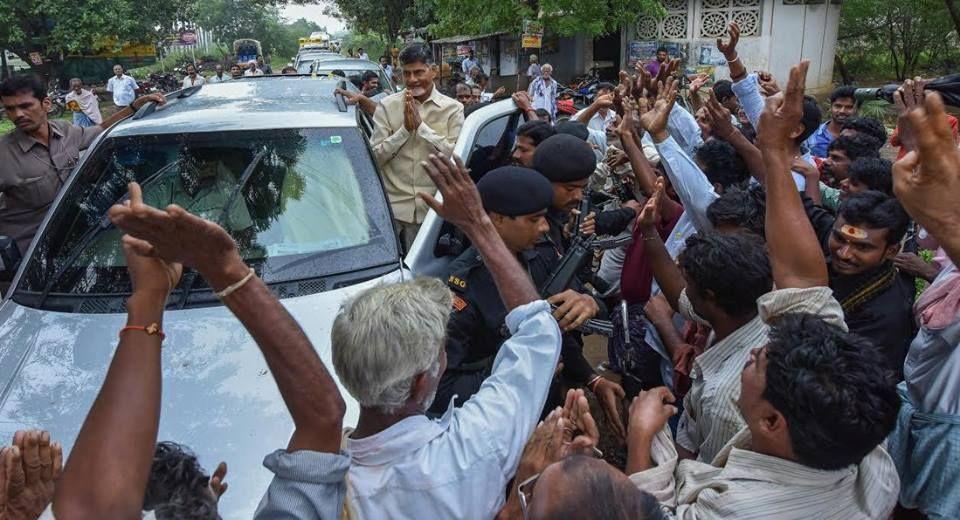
point(772, 356)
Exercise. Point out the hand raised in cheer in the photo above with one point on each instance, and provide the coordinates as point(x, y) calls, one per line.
point(522, 100)
point(719, 118)
point(698, 82)
point(909, 96)
point(729, 48)
point(176, 236)
point(461, 204)
point(655, 120)
point(768, 84)
point(780, 121)
point(927, 180)
point(28, 472)
point(650, 214)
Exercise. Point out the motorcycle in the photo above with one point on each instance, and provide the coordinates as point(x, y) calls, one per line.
point(165, 82)
point(58, 103)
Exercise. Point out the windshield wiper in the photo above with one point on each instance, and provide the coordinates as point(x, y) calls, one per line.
point(190, 277)
point(103, 224)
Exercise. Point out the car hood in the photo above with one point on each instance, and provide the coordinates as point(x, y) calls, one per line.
point(219, 397)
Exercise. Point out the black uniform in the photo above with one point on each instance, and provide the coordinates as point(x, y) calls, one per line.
point(877, 304)
point(477, 329)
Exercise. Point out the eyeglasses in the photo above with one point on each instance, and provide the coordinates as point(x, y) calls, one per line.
point(525, 492)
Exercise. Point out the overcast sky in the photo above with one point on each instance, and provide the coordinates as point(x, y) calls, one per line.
point(313, 13)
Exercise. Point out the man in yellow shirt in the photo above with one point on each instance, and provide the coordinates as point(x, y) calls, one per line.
point(409, 126)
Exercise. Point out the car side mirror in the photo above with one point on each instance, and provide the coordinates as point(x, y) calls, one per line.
point(9, 258)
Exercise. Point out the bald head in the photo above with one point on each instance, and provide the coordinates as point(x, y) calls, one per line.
point(584, 487)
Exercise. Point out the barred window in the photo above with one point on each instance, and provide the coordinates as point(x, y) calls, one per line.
point(716, 15)
point(673, 26)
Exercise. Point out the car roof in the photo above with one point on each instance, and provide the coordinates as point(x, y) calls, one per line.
point(250, 103)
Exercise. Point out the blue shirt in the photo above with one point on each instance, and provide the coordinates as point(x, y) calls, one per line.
point(818, 141)
point(748, 92)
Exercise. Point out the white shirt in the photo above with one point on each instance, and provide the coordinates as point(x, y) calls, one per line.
point(599, 122)
point(747, 485)
point(87, 102)
point(215, 79)
point(459, 466)
point(124, 90)
point(543, 94)
point(254, 72)
point(363, 56)
point(189, 82)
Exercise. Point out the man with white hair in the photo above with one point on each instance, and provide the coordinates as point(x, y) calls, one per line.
point(543, 91)
point(252, 69)
point(388, 351)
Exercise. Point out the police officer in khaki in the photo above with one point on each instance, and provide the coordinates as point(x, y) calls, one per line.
point(37, 156)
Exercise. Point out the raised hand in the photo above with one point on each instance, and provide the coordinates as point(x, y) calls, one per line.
point(28, 472)
point(780, 121)
point(910, 95)
point(719, 117)
point(217, 485)
point(729, 49)
point(698, 82)
point(768, 84)
point(650, 214)
point(604, 101)
point(173, 235)
point(927, 180)
point(655, 121)
point(461, 204)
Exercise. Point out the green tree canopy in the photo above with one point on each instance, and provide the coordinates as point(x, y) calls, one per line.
point(893, 39)
point(566, 17)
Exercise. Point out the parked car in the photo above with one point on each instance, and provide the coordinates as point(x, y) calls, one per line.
point(352, 67)
point(287, 169)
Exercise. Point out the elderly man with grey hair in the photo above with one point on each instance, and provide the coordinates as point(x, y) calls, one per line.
point(388, 351)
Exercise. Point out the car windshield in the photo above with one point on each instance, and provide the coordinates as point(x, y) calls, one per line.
point(301, 204)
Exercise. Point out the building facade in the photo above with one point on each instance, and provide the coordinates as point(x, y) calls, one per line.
point(775, 35)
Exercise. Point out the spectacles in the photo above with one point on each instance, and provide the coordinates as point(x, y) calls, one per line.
point(525, 489)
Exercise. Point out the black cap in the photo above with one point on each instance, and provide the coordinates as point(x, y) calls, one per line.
point(515, 191)
point(564, 158)
point(574, 128)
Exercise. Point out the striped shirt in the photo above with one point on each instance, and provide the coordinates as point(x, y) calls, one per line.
point(744, 484)
point(710, 416)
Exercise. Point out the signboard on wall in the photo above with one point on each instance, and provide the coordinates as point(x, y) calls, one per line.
point(641, 51)
point(464, 50)
point(710, 55)
point(532, 34)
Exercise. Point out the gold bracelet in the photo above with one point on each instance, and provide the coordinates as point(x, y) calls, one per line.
point(232, 288)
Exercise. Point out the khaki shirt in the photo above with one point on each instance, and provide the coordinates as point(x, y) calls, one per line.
point(31, 175)
point(399, 153)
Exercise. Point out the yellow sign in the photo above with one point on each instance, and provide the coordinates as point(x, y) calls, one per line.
point(532, 41)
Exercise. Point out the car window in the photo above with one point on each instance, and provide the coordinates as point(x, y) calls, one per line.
point(300, 204)
point(493, 145)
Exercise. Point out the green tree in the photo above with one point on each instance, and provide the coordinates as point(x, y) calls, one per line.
point(54, 28)
point(894, 39)
point(566, 17)
point(387, 18)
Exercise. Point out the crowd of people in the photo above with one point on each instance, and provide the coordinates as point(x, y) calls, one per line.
point(771, 357)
